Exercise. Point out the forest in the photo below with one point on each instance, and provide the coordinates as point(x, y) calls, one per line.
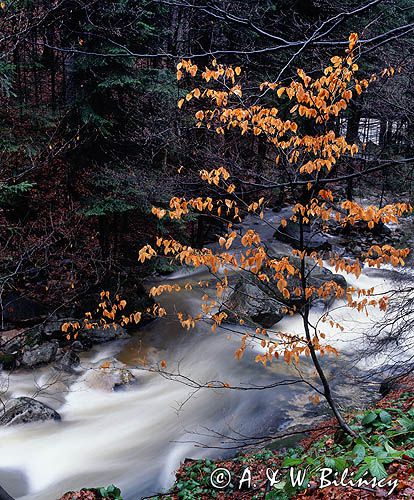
point(205, 249)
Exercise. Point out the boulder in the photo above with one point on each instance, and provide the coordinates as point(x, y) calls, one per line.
point(77, 346)
point(68, 362)
point(391, 384)
point(249, 302)
point(361, 230)
point(100, 335)
point(44, 353)
point(263, 304)
point(313, 239)
point(110, 376)
point(26, 410)
point(53, 327)
point(12, 340)
point(319, 275)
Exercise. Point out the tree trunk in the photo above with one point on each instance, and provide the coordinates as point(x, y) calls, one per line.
point(351, 137)
point(322, 377)
point(70, 77)
point(383, 133)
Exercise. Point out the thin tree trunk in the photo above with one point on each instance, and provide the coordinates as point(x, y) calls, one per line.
point(351, 137)
point(383, 133)
point(70, 76)
point(326, 387)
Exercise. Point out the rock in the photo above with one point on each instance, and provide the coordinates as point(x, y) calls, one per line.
point(263, 303)
point(110, 376)
point(93, 336)
point(77, 346)
point(361, 231)
point(44, 353)
point(12, 340)
point(25, 410)
point(319, 275)
point(53, 327)
point(100, 335)
point(248, 301)
point(68, 362)
point(313, 240)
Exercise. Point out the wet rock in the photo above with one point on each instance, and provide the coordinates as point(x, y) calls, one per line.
point(77, 346)
point(53, 327)
point(111, 375)
point(262, 303)
point(249, 302)
point(42, 354)
point(68, 362)
point(312, 239)
point(12, 341)
point(26, 410)
point(320, 275)
point(100, 335)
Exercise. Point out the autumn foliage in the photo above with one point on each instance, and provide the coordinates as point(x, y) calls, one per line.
point(309, 158)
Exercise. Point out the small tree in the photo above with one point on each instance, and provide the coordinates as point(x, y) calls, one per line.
point(308, 151)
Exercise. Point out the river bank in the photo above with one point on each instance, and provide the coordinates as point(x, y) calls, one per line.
point(382, 457)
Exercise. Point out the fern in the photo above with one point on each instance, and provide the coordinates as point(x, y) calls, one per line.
point(9, 193)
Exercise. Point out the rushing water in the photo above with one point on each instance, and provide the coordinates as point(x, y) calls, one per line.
point(137, 437)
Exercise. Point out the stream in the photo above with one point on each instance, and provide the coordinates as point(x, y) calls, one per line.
point(137, 437)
